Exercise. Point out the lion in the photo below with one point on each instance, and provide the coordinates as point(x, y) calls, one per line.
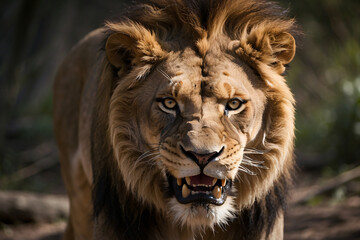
point(175, 122)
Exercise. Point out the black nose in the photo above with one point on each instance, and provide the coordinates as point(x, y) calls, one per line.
point(202, 159)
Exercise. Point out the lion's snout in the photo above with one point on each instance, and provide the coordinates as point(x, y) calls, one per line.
point(202, 139)
point(203, 158)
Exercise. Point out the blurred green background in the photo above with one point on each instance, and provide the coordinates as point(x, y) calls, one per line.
point(37, 34)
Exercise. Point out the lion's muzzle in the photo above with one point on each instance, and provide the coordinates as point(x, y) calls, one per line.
point(200, 188)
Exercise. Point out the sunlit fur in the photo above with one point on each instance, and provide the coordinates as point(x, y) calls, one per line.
point(192, 217)
point(175, 43)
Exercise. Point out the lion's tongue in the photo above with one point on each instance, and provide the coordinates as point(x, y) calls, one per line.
point(201, 179)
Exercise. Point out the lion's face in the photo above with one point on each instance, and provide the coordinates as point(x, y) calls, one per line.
point(186, 114)
point(203, 114)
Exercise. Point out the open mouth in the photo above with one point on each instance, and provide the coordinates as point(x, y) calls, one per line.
point(200, 188)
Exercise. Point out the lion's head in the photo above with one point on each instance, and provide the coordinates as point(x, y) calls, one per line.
point(201, 121)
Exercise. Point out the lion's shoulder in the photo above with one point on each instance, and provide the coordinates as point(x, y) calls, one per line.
point(74, 89)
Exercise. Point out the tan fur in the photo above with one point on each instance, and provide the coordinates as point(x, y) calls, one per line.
point(241, 53)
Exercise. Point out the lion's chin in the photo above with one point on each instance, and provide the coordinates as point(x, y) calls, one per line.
point(198, 216)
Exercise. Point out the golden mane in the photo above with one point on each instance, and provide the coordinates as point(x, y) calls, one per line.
point(261, 27)
point(116, 155)
point(261, 34)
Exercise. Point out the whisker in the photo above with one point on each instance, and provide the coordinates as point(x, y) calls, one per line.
point(254, 163)
point(249, 159)
point(254, 151)
point(248, 163)
point(145, 155)
point(164, 74)
point(246, 170)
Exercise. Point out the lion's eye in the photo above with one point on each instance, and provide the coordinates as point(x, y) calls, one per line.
point(234, 104)
point(169, 103)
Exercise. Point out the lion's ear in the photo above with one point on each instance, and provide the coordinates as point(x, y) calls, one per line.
point(133, 44)
point(117, 49)
point(284, 47)
point(274, 47)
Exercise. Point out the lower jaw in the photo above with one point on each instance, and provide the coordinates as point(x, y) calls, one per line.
point(202, 199)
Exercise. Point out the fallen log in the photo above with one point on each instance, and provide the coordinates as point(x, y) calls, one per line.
point(24, 207)
point(326, 186)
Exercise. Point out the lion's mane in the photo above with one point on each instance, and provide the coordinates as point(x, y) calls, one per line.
point(128, 193)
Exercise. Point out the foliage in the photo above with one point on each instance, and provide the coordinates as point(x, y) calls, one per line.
point(326, 80)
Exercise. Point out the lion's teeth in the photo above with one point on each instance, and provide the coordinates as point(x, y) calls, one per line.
point(223, 182)
point(214, 181)
point(216, 191)
point(188, 180)
point(185, 191)
point(179, 181)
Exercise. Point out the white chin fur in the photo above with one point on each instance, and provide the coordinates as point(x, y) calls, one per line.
point(198, 217)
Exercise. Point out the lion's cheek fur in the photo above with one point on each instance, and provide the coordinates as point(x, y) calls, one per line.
point(143, 178)
point(275, 137)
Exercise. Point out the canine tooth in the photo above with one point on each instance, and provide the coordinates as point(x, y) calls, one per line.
point(214, 181)
point(185, 191)
point(188, 181)
point(217, 191)
point(223, 182)
point(179, 181)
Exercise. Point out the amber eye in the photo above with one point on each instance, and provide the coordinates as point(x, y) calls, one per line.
point(234, 104)
point(169, 103)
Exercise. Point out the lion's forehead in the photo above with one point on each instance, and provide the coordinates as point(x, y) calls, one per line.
point(215, 77)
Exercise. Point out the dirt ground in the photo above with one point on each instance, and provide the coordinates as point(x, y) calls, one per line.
point(324, 222)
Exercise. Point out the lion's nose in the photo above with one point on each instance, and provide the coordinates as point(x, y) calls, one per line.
point(202, 159)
